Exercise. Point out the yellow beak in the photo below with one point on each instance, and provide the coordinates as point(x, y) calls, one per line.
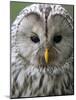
point(46, 55)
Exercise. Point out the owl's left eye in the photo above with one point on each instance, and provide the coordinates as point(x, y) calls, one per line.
point(35, 38)
point(57, 38)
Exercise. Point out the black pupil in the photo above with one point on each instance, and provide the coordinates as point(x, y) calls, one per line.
point(57, 38)
point(35, 39)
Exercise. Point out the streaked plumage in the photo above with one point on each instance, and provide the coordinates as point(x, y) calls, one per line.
point(42, 52)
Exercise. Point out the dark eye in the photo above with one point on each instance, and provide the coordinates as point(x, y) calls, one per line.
point(35, 38)
point(57, 38)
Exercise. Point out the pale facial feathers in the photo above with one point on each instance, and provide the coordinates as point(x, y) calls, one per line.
point(38, 27)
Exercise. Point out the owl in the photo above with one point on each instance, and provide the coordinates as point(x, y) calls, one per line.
point(42, 52)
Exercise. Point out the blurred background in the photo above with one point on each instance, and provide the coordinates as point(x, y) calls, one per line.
point(16, 7)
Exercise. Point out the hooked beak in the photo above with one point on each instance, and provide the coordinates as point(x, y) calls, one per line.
point(46, 55)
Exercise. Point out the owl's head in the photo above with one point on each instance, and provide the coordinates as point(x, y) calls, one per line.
point(44, 35)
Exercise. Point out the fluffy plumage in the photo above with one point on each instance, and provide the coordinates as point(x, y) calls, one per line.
point(38, 27)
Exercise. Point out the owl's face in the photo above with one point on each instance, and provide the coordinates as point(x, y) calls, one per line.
point(42, 52)
point(38, 35)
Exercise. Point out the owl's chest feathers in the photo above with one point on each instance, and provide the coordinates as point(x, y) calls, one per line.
point(33, 82)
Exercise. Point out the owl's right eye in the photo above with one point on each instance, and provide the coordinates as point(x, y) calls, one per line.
point(35, 38)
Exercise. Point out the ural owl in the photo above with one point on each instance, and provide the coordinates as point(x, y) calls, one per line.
point(42, 52)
